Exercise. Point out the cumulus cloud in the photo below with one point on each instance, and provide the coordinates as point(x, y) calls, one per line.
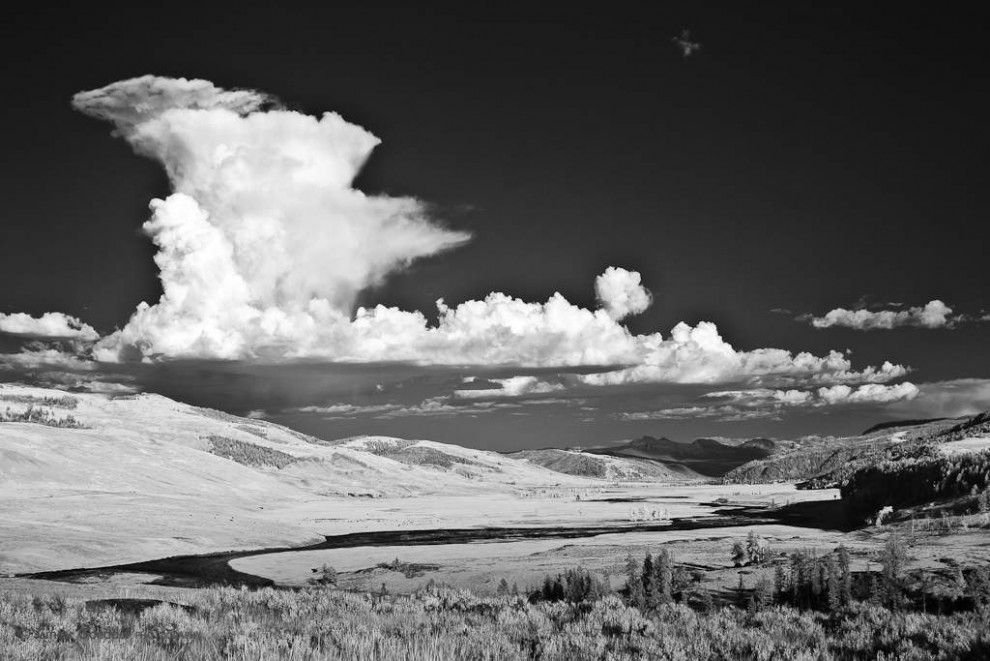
point(516, 386)
point(53, 325)
point(934, 314)
point(867, 393)
point(621, 293)
point(264, 236)
point(429, 407)
point(762, 403)
point(264, 246)
point(722, 413)
point(699, 354)
point(34, 358)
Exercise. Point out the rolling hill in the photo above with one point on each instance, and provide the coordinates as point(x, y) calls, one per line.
point(605, 467)
point(704, 456)
point(90, 477)
point(829, 461)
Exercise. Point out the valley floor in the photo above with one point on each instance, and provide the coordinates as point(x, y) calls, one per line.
point(482, 565)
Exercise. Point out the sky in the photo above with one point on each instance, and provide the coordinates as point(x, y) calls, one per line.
point(775, 234)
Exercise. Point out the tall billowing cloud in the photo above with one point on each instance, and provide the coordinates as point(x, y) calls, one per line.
point(264, 246)
point(263, 220)
point(935, 314)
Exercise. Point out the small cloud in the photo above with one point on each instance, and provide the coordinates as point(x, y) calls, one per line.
point(100, 387)
point(934, 314)
point(726, 413)
point(44, 357)
point(337, 411)
point(432, 406)
point(621, 293)
point(867, 393)
point(516, 386)
point(699, 354)
point(768, 403)
point(51, 325)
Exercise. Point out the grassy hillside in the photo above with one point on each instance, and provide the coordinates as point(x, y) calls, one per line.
point(90, 479)
point(604, 467)
point(824, 461)
point(951, 466)
point(705, 456)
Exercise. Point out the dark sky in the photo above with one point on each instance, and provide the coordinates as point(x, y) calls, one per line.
point(807, 156)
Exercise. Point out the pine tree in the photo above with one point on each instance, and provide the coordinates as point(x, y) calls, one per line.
point(815, 574)
point(634, 583)
point(547, 592)
point(846, 576)
point(797, 577)
point(779, 582)
point(979, 587)
point(893, 557)
point(762, 594)
point(649, 588)
point(741, 593)
point(664, 577)
point(834, 584)
point(707, 601)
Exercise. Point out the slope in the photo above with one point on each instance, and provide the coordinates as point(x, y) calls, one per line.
point(88, 477)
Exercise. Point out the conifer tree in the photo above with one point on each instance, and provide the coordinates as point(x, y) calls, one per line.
point(762, 593)
point(780, 582)
point(833, 584)
point(846, 576)
point(664, 577)
point(634, 583)
point(649, 588)
point(893, 557)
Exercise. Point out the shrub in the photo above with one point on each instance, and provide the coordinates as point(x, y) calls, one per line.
point(248, 454)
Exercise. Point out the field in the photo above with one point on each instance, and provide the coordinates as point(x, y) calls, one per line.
point(381, 548)
point(966, 445)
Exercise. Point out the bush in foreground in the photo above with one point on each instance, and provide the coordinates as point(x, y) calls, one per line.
point(442, 623)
